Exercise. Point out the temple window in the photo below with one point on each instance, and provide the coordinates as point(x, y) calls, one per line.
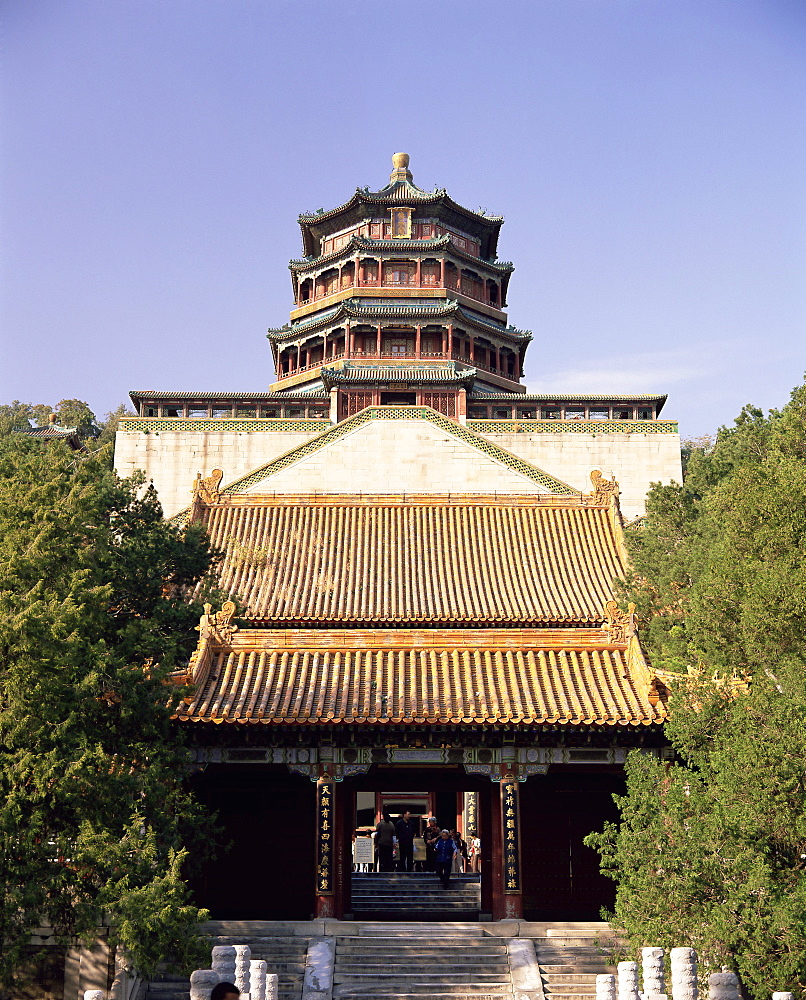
point(429, 273)
point(245, 412)
point(370, 272)
point(269, 412)
point(151, 411)
point(645, 413)
point(451, 275)
point(599, 413)
point(375, 230)
point(478, 412)
point(398, 273)
point(426, 230)
point(173, 411)
point(328, 282)
point(492, 293)
point(502, 413)
point(196, 412)
point(575, 413)
point(305, 291)
point(550, 413)
point(526, 414)
point(623, 413)
point(220, 412)
point(295, 412)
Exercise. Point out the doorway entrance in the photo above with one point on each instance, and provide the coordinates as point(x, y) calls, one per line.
point(398, 399)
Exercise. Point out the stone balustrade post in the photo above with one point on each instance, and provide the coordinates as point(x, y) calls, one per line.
point(257, 976)
point(684, 973)
point(94, 995)
point(723, 985)
point(605, 987)
point(627, 980)
point(202, 982)
point(224, 962)
point(243, 956)
point(652, 960)
point(272, 986)
point(782, 996)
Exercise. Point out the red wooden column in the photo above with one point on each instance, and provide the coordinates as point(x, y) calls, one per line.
point(378, 349)
point(417, 339)
point(418, 277)
point(327, 845)
point(493, 857)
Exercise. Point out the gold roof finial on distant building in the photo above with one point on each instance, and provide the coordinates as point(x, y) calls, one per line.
point(400, 161)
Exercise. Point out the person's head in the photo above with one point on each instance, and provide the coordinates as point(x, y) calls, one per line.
point(406, 814)
point(446, 835)
point(386, 817)
point(225, 991)
point(432, 821)
point(454, 831)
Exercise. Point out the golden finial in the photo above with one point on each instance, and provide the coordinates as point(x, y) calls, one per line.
point(400, 161)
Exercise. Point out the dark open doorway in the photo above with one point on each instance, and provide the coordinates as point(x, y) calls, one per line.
point(398, 399)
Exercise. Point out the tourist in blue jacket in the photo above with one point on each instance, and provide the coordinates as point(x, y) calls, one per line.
point(445, 849)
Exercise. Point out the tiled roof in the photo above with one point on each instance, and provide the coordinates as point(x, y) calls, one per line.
point(564, 677)
point(261, 394)
point(490, 559)
point(389, 373)
point(49, 432)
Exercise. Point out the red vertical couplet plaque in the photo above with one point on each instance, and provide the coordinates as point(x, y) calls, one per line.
point(510, 824)
point(325, 842)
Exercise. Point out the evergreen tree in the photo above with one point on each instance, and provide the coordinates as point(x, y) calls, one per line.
point(711, 849)
point(95, 824)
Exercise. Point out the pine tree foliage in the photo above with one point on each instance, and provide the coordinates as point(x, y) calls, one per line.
point(95, 825)
point(711, 849)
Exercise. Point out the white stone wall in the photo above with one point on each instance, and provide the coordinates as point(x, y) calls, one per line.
point(398, 456)
point(636, 460)
point(172, 458)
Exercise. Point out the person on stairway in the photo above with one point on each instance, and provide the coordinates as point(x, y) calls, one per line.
point(431, 836)
point(446, 851)
point(385, 843)
point(460, 858)
point(406, 829)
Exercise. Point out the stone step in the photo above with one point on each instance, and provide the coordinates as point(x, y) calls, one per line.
point(477, 950)
point(358, 963)
point(457, 992)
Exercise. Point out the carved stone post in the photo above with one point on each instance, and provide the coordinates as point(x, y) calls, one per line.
point(257, 978)
point(243, 956)
point(627, 980)
point(684, 973)
point(94, 995)
point(605, 987)
point(272, 986)
point(202, 982)
point(723, 985)
point(782, 996)
point(652, 959)
point(224, 962)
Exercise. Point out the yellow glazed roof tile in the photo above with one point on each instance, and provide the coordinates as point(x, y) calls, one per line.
point(382, 676)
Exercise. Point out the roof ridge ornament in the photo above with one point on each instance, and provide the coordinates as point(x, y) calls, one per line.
point(206, 489)
point(217, 626)
point(605, 491)
point(400, 161)
point(620, 625)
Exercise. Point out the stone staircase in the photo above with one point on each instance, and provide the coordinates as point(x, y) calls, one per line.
point(415, 895)
point(418, 961)
point(284, 955)
point(571, 956)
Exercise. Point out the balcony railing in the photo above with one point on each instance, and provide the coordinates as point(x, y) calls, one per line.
point(471, 293)
point(408, 355)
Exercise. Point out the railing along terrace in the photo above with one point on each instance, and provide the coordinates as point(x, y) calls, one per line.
point(476, 294)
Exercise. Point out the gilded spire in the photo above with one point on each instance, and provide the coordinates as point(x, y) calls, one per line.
point(400, 161)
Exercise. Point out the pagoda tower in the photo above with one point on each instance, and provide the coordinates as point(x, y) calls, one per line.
point(399, 300)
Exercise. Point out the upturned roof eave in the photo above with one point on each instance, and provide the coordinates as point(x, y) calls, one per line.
point(315, 225)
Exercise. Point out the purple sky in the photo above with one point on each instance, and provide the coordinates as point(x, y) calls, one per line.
point(648, 155)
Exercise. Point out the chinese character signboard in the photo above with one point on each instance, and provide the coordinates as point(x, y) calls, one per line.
point(325, 840)
point(510, 825)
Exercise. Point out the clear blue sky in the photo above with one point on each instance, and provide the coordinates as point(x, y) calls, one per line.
point(648, 155)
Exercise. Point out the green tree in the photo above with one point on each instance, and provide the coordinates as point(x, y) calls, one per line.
point(95, 823)
point(711, 849)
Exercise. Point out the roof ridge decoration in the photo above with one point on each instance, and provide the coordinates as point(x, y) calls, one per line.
point(620, 625)
point(494, 451)
point(605, 491)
